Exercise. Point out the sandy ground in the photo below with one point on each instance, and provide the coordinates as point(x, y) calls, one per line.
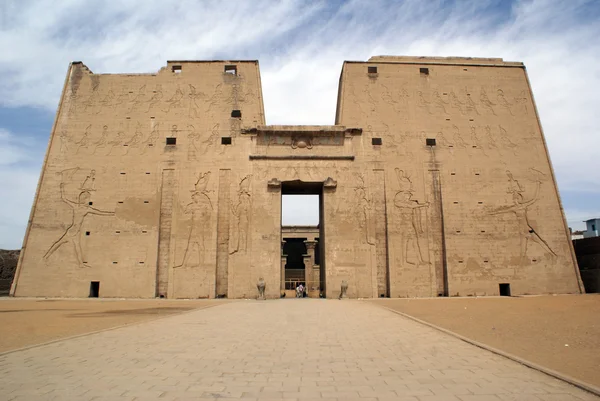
point(559, 332)
point(26, 322)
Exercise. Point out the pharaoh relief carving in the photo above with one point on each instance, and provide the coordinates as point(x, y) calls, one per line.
point(521, 101)
point(193, 138)
point(364, 208)
point(139, 99)
point(455, 103)
point(240, 209)
point(200, 210)
point(397, 99)
point(519, 207)
point(359, 106)
point(155, 100)
point(470, 105)
point(80, 208)
point(423, 103)
point(135, 140)
point(116, 142)
point(152, 139)
point(485, 102)
point(85, 140)
point(102, 142)
point(439, 104)
point(411, 227)
point(174, 101)
point(502, 102)
point(457, 138)
point(92, 99)
point(215, 99)
point(64, 142)
point(194, 96)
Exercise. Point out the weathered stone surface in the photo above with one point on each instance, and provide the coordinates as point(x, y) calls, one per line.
point(435, 180)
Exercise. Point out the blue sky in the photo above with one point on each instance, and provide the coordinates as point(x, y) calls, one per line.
point(301, 46)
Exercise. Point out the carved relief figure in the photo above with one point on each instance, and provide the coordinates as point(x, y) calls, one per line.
point(241, 213)
point(519, 208)
point(485, 101)
point(93, 98)
point(139, 98)
point(505, 140)
point(476, 140)
point(438, 102)
point(89, 183)
point(215, 98)
point(368, 91)
point(156, 98)
point(64, 141)
point(388, 98)
point(211, 142)
point(152, 139)
point(175, 100)
point(455, 103)
point(491, 141)
point(503, 102)
point(108, 100)
point(521, 100)
point(194, 96)
point(364, 210)
point(404, 183)
point(441, 138)
point(458, 141)
point(200, 210)
point(85, 139)
point(121, 99)
point(193, 138)
point(117, 141)
point(470, 105)
point(73, 102)
point(410, 220)
point(135, 140)
point(80, 208)
point(103, 141)
point(358, 105)
point(422, 102)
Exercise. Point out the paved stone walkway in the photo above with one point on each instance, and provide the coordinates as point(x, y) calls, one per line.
point(294, 349)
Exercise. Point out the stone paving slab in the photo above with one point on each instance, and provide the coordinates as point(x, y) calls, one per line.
point(296, 349)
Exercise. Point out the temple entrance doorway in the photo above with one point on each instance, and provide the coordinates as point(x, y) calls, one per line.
point(302, 256)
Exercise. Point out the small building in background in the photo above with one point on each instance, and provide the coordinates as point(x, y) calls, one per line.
point(592, 228)
point(576, 234)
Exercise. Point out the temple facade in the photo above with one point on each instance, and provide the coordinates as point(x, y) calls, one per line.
point(434, 181)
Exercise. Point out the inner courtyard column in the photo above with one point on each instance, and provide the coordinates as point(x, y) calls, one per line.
point(283, 262)
point(311, 273)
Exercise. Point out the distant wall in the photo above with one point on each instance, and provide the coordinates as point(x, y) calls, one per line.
point(8, 265)
point(588, 259)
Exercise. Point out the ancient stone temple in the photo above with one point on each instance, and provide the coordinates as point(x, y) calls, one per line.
point(434, 181)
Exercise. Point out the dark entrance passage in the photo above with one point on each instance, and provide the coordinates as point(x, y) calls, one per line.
point(294, 250)
point(302, 261)
point(94, 289)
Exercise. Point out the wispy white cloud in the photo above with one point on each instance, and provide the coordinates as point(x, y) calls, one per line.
point(301, 46)
point(17, 189)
